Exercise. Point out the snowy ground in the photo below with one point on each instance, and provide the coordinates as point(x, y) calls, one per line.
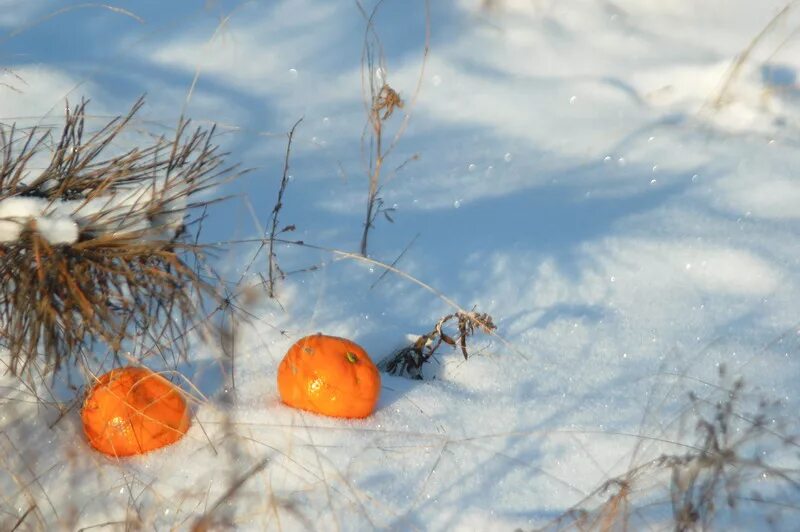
point(591, 172)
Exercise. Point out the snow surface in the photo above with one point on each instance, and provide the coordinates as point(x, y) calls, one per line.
point(576, 179)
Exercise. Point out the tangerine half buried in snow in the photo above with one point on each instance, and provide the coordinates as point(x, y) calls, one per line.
point(330, 376)
point(132, 411)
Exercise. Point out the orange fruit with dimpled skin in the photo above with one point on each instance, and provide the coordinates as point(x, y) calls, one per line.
point(132, 411)
point(330, 376)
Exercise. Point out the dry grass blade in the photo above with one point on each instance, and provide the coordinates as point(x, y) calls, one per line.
point(95, 249)
point(719, 100)
point(208, 521)
point(9, 86)
point(22, 518)
point(89, 5)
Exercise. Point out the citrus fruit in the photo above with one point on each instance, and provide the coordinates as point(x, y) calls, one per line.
point(330, 376)
point(132, 411)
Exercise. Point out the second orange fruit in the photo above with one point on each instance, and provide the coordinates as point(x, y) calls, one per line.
point(329, 375)
point(133, 410)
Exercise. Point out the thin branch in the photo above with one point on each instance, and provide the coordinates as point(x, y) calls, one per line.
point(272, 265)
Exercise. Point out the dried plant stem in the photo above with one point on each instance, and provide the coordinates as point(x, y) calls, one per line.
point(372, 195)
point(23, 517)
point(206, 521)
point(410, 359)
point(394, 262)
point(381, 100)
point(272, 266)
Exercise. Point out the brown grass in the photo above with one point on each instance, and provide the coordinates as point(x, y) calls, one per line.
point(127, 277)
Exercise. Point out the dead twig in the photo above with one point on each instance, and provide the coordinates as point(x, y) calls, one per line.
point(272, 266)
point(409, 359)
point(381, 100)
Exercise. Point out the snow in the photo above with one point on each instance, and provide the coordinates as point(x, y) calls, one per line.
point(17, 212)
point(58, 230)
point(14, 213)
point(124, 211)
point(575, 179)
point(127, 210)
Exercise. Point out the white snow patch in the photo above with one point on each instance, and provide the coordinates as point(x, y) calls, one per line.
point(17, 213)
point(58, 230)
point(126, 211)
